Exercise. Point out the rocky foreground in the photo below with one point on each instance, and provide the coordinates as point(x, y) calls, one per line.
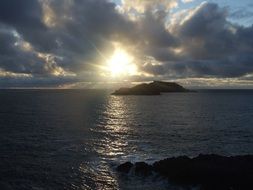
point(154, 88)
point(208, 171)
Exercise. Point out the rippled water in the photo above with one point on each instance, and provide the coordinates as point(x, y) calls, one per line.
point(74, 139)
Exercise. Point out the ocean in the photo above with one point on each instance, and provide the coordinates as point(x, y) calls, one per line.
point(75, 139)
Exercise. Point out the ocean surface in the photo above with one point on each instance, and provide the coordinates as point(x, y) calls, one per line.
point(74, 139)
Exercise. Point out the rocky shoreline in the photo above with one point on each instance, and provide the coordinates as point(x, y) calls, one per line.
point(208, 171)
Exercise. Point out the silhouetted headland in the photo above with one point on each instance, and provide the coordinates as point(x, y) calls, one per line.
point(154, 88)
point(208, 171)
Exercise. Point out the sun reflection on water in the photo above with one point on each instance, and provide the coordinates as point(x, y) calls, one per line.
point(112, 132)
point(114, 127)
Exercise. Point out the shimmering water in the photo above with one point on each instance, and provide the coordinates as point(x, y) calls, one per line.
point(74, 139)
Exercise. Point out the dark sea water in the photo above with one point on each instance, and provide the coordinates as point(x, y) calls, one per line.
point(74, 139)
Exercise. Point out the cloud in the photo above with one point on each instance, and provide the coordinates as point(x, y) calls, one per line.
point(187, 1)
point(53, 42)
point(143, 5)
point(210, 46)
point(57, 38)
point(242, 15)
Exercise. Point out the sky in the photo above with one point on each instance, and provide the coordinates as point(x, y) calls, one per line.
point(110, 43)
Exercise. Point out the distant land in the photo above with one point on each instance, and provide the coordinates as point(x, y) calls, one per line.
point(154, 88)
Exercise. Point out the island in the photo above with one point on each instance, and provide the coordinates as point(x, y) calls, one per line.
point(206, 171)
point(154, 88)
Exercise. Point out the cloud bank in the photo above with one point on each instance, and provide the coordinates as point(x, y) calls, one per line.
point(50, 43)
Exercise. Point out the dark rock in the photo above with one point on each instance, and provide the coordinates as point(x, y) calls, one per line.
point(143, 168)
point(172, 167)
point(154, 88)
point(209, 171)
point(126, 167)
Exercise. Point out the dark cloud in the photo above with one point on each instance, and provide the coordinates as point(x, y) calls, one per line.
point(211, 47)
point(26, 18)
point(207, 33)
point(15, 60)
point(7, 41)
point(21, 13)
point(153, 31)
point(207, 19)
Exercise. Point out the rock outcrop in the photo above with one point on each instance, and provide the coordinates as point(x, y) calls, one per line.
point(208, 171)
point(154, 88)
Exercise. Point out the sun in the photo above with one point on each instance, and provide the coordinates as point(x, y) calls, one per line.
point(121, 64)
